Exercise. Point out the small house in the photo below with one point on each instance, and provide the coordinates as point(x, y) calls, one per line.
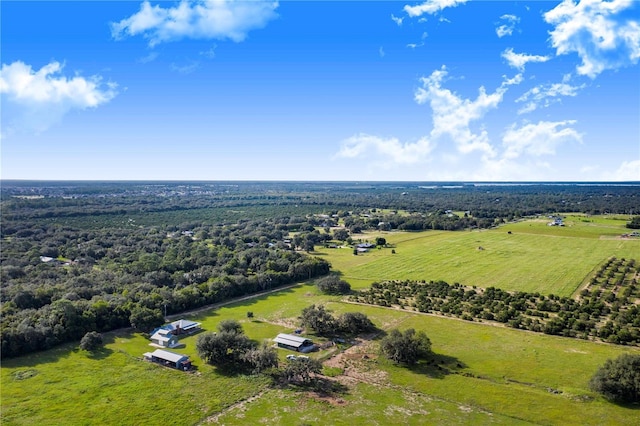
point(164, 338)
point(365, 245)
point(183, 326)
point(169, 359)
point(179, 327)
point(294, 343)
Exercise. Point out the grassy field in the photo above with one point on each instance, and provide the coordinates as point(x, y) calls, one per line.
point(532, 257)
point(497, 375)
point(484, 374)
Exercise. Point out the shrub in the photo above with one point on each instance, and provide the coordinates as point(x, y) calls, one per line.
point(91, 341)
point(407, 347)
point(332, 284)
point(618, 380)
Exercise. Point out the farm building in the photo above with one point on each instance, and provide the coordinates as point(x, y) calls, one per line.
point(169, 359)
point(365, 246)
point(294, 343)
point(179, 327)
point(183, 326)
point(164, 338)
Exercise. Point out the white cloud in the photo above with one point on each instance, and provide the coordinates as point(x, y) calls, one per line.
point(416, 45)
point(453, 116)
point(203, 19)
point(186, 68)
point(386, 150)
point(507, 28)
point(538, 139)
point(381, 52)
point(546, 94)
point(431, 7)
point(148, 58)
point(397, 20)
point(628, 171)
point(519, 60)
point(37, 99)
point(602, 36)
point(209, 53)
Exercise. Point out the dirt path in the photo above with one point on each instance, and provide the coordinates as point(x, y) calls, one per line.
point(240, 404)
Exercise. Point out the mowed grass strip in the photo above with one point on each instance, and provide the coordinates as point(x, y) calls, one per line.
point(533, 257)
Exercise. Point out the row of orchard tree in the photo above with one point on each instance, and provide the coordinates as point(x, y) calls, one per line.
point(612, 316)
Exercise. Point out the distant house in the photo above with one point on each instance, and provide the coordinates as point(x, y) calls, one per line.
point(557, 221)
point(167, 335)
point(169, 359)
point(179, 327)
point(294, 343)
point(365, 245)
point(50, 260)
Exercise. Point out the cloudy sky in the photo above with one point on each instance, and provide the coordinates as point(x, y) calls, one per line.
point(300, 90)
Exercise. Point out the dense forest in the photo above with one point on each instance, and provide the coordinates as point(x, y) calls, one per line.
point(96, 256)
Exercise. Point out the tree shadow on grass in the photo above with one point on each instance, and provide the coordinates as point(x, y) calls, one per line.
point(324, 387)
point(437, 366)
point(100, 353)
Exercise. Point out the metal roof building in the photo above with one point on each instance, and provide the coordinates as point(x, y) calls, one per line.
point(170, 359)
point(295, 343)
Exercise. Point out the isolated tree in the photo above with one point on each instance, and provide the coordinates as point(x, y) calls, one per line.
point(230, 326)
point(318, 319)
point(301, 369)
point(354, 323)
point(145, 319)
point(224, 348)
point(91, 341)
point(407, 347)
point(249, 314)
point(261, 358)
point(634, 223)
point(618, 380)
point(341, 234)
point(380, 241)
point(332, 284)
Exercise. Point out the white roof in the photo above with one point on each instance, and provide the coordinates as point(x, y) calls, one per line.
point(166, 355)
point(290, 340)
point(184, 324)
point(164, 337)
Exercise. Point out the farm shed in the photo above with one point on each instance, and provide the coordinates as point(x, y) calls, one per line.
point(294, 343)
point(170, 359)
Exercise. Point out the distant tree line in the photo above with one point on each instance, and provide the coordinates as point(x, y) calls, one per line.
point(107, 202)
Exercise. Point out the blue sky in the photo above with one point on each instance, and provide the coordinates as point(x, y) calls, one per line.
point(301, 90)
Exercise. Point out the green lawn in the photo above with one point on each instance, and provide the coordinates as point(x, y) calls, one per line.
point(534, 257)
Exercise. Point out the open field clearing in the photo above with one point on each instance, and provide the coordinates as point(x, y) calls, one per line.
point(534, 257)
point(489, 374)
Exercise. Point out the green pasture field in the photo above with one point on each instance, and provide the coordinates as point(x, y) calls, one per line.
point(498, 375)
point(487, 374)
point(523, 256)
